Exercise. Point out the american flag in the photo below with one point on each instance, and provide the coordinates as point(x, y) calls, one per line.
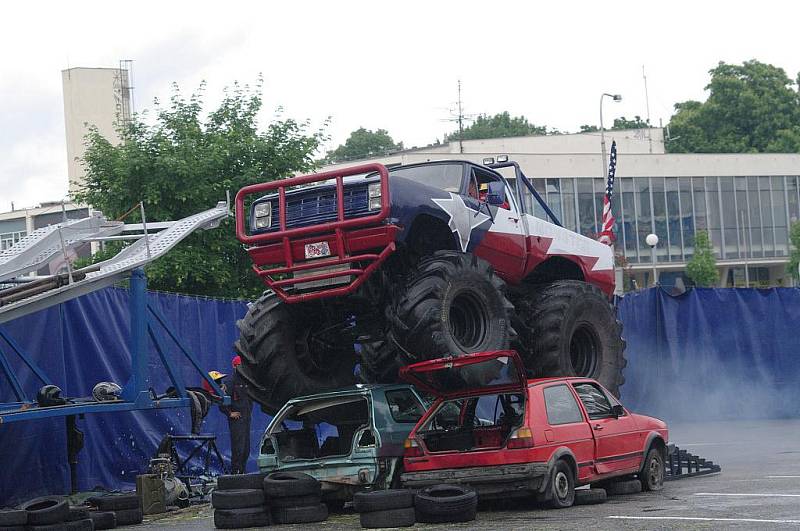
point(607, 233)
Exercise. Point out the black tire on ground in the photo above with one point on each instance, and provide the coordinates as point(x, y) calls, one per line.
point(452, 304)
point(590, 496)
point(78, 512)
point(283, 357)
point(241, 481)
point(652, 476)
point(16, 528)
point(239, 518)
point(9, 517)
point(237, 498)
point(628, 486)
point(446, 503)
point(570, 329)
point(281, 484)
point(103, 519)
point(129, 516)
point(296, 501)
point(300, 515)
point(562, 486)
point(382, 500)
point(84, 524)
point(116, 502)
point(403, 517)
point(46, 510)
point(58, 526)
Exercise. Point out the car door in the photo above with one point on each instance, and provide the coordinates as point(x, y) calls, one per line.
point(567, 426)
point(618, 445)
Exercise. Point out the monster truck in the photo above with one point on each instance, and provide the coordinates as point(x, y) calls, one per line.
point(371, 269)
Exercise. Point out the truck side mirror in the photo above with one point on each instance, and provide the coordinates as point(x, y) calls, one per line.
point(497, 193)
point(617, 410)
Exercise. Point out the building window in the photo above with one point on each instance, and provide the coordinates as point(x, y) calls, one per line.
point(568, 201)
point(8, 239)
point(586, 207)
point(644, 223)
point(779, 216)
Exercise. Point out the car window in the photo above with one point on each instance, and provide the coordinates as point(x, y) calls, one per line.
point(404, 406)
point(561, 406)
point(446, 177)
point(475, 423)
point(594, 400)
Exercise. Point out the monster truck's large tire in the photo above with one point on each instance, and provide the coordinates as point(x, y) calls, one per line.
point(452, 304)
point(570, 329)
point(284, 355)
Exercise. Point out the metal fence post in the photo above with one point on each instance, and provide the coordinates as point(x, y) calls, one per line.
point(138, 309)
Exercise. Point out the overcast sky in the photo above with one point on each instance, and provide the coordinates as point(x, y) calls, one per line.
point(377, 64)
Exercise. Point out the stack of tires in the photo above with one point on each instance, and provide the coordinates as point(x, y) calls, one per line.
point(239, 501)
point(13, 519)
point(385, 508)
point(51, 513)
point(112, 510)
point(446, 503)
point(48, 513)
point(295, 498)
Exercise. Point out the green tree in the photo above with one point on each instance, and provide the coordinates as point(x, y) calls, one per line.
point(794, 256)
point(702, 268)
point(751, 108)
point(619, 123)
point(184, 163)
point(500, 125)
point(364, 143)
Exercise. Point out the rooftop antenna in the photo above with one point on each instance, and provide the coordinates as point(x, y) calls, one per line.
point(647, 104)
point(458, 116)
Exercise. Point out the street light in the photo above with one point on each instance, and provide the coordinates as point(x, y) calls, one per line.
point(652, 241)
point(617, 98)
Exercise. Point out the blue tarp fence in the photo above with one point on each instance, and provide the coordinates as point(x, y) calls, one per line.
point(713, 354)
point(707, 354)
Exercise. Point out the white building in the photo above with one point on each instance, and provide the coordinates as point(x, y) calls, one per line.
point(99, 97)
point(746, 202)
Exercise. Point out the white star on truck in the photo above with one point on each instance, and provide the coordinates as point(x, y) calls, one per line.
point(462, 218)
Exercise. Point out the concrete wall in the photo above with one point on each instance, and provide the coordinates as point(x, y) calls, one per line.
point(628, 141)
point(92, 96)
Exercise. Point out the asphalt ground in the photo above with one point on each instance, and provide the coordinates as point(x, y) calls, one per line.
point(759, 488)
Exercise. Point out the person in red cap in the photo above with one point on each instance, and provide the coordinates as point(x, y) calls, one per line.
point(239, 414)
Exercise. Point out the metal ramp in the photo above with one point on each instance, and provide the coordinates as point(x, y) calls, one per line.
point(682, 464)
point(41, 246)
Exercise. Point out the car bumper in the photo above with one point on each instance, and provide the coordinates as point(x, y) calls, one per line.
point(488, 480)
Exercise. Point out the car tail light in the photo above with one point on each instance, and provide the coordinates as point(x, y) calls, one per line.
point(411, 448)
point(521, 438)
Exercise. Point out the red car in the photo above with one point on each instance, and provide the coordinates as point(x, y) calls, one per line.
point(495, 430)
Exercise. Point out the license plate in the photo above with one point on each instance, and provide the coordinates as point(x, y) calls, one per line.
point(317, 250)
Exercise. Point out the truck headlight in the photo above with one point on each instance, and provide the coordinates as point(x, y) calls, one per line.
point(263, 215)
point(374, 196)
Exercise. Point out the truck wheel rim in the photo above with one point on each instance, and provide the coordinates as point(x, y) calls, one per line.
point(562, 485)
point(655, 472)
point(468, 317)
point(584, 350)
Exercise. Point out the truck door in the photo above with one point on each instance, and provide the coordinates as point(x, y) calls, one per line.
point(503, 245)
point(618, 446)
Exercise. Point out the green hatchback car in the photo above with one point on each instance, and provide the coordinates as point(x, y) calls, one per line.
point(350, 439)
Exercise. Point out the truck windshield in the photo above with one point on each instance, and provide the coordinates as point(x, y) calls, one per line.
point(320, 428)
point(446, 177)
